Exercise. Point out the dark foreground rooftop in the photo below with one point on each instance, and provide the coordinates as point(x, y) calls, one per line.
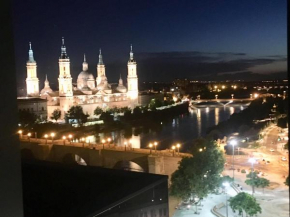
point(54, 189)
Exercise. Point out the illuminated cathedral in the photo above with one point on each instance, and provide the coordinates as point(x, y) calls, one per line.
point(88, 92)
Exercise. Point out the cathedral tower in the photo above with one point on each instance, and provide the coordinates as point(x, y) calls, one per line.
point(101, 70)
point(132, 79)
point(64, 79)
point(32, 82)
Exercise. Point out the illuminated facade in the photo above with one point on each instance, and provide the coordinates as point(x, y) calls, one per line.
point(89, 92)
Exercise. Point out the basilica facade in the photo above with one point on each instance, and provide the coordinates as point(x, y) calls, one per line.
point(89, 92)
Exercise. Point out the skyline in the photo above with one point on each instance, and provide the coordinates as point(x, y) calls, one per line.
point(170, 40)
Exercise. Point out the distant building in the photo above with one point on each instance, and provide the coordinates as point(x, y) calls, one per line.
point(36, 106)
point(89, 92)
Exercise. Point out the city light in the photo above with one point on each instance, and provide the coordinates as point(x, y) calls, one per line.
point(256, 95)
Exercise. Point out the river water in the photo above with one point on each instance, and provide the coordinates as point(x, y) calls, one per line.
point(182, 129)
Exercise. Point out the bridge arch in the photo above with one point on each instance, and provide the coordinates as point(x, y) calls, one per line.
point(71, 158)
point(27, 154)
point(128, 165)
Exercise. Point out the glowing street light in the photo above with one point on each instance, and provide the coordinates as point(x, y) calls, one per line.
point(216, 96)
point(223, 87)
point(200, 150)
point(252, 161)
point(70, 138)
point(29, 135)
point(155, 145)
point(256, 95)
point(178, 146)
point(52, 135)
point(173, 149)
point(64, 138)
point(20, 133)
point(226, 184)
point(233, 143)
point(109, 141)
point(232, 95)
point(150, 146)
point(103, 142)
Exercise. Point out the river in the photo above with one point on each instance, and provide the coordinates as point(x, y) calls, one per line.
point(182, 129)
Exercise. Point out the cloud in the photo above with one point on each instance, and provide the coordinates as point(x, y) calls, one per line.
point(169, 65)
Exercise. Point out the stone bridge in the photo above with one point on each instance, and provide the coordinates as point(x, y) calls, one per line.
point(159, 162)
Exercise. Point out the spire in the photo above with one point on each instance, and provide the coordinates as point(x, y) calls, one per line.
point(131, 54)
point(100, 58)
point(63, 50)
point(85, 64)
point(30, 54)
point(46, 82)
point(120, 81)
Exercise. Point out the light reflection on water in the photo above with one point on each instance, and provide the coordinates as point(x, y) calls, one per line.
point(182, 129)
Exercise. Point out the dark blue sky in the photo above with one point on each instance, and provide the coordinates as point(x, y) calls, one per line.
point(172, 38)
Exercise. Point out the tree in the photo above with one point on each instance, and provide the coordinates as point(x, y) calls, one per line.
point(56, 114)
point(200, 174)
point(107, 117)
point(76, 112)
point(98, 111)
point(245, 202)
point(256, 181)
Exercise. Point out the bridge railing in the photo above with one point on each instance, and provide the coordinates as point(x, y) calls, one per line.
point(166, 152)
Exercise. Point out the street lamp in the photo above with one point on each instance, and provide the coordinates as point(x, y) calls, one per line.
point(64, 138)
point(233, 143)
point(173, 149)
point(252, 161)
point(200, 150)
point(232, 95)
point(226, 184)
point(150, 146)
point(103, 142)
point(178, 146)
point(155, 144)
point(196, 200)
point(83, 140)
point(45, 136)
point(216, 96)
point(70, 138)
point(29, 134)
point(20, 133)
point(52, 135)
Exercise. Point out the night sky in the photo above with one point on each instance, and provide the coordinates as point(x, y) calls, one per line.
point(194, 39)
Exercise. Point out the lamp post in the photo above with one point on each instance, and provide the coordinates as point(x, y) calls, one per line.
point(150, 146)
point(233, 143)
point(216, 97)
point(45, 136)
point(232, 95)
point(196, 200)
point(103, 142)
point(173, 149)
point(29, 135)
point(125, 144)
point(109, 141)
point(20, 133)
point(155, 144)
point(70, 137)
point(226, 184)
point(252, 161)
point(52, 135)
point(83, 140)
point(64, 138)
point(178, 146)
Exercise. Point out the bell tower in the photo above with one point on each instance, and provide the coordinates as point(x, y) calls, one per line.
point(32, 82)
point(101, 73)
point(132, 79)
point(64, 79)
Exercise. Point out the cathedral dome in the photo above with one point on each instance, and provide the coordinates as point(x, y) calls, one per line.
point(46, 88)
point(121, 88)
